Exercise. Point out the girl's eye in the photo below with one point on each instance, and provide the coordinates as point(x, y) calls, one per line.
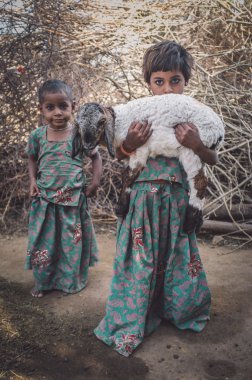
point(63, 106)
point(49, 107)
point(175, 80)
point(159, 82)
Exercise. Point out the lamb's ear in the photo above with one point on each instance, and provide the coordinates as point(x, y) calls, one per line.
point(76, 143)
point(110, 132)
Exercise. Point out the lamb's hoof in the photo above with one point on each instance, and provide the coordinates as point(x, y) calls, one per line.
point(122, 206)
point(193, 220)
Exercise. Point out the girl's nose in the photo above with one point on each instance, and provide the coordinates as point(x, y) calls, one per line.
point(58, 111)
point(167, 88)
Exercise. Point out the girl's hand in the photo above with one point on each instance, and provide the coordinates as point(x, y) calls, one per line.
point(91, 190)
point(138, 134)
point(187, 135)
point(34, 190)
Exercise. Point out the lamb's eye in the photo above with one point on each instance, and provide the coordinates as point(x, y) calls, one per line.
point(101, 122)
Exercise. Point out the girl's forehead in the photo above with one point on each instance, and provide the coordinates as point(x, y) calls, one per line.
point(166, 74)
point(55, 97)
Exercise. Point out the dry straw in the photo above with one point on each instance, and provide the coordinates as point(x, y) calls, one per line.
point(97, 46)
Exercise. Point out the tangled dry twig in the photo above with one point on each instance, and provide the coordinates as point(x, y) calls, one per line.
point(97, 46)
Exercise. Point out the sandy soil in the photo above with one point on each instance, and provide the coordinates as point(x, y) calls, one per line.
point(51, 338)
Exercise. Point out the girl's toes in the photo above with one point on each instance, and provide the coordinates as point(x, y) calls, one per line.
point(36, 293)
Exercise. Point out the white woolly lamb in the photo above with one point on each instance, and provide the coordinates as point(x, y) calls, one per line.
point(105, 125)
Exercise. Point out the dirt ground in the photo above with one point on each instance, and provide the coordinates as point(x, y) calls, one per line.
point(51, 338)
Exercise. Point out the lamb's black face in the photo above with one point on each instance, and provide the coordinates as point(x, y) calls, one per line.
point(90, 121)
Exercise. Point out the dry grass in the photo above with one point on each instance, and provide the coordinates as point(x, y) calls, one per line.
point(97, 46)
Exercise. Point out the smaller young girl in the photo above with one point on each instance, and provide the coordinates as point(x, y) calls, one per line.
point(61, 238)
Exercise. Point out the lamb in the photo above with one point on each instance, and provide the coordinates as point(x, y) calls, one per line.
point(108, 126)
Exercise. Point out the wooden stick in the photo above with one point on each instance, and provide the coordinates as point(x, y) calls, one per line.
point(218, 227)
point(238, 212)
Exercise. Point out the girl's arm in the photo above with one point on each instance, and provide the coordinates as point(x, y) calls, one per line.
point(97, 172)
point(188, 136)
point(137, 135)
point(33, 168)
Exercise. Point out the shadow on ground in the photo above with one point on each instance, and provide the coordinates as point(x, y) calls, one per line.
point(39, 344)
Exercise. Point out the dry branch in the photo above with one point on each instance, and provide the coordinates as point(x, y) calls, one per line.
point(97, 46)
point(220, 227)
point(240, 212)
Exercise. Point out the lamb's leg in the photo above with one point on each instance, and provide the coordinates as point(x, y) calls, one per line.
point(197, 184)
point(128, 177)
point(193, 220)
point(194, 216)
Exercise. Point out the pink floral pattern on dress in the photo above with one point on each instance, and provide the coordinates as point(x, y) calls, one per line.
point(39, 258)
point(126, 343)
point(63, 195)
point(195, 266)
point(138, 237)
point(77, 233)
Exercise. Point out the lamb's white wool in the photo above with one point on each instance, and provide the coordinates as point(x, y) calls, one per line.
point(96, 124)
point(164, 112)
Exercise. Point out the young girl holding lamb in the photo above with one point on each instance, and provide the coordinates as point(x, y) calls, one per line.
point(158, 272)
point(61, 239)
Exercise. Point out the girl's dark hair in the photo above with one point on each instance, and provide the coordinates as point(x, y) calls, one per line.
point(167, 56)
point(53, 86)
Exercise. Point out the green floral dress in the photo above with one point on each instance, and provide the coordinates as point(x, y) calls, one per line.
point(158, 273)
point(61, 239)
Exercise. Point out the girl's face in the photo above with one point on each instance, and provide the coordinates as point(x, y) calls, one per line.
point(167, 82)
point(56, 109)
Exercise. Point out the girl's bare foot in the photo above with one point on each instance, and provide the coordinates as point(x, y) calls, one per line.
point(36, 293)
